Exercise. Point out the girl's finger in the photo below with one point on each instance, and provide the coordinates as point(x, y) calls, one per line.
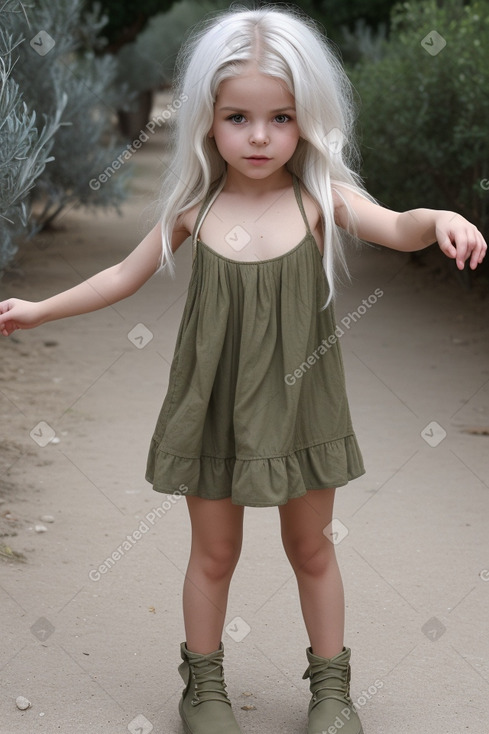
point(446, 246)
point(462, 252)
point(476, 252)
point(479, 250)
point(483, 248)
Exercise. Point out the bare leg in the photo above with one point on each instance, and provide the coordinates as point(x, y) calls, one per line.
point(217, 532)
point(313, 559)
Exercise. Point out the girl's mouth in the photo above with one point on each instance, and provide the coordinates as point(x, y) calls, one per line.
point(258, 160)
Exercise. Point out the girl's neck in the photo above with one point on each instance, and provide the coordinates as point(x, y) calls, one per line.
point(237, 183)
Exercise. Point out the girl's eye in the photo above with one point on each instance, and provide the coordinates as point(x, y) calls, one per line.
point(238, 118)
point(233, 117)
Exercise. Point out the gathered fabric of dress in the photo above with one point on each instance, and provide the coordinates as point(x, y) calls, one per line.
point(256, 407)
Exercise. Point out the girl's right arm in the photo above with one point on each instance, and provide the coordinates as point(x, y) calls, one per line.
point(103, 289)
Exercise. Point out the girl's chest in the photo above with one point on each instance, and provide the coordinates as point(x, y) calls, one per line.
point(259, 232)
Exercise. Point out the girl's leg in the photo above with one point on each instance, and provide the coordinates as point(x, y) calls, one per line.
point(217, 532)
point(313, 559)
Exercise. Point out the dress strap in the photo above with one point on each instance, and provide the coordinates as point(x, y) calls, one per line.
point(206, 205)
point(298, 196)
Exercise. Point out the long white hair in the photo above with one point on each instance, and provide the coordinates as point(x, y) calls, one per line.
point(284, 44)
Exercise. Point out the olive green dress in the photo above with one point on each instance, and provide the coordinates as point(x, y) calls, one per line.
point(256, 407)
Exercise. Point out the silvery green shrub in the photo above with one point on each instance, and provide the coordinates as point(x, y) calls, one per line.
point(25, 144)
point(54, 70)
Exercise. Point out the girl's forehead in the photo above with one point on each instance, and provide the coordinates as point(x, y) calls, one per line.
point(255, 87)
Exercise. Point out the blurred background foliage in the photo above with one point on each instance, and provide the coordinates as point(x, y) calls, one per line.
point(65, 116)
point(423, 117)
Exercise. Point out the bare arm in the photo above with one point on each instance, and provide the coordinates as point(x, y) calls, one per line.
point(414, 229)
point(102, 289)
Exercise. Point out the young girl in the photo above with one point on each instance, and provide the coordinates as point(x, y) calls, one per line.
point(256, 412)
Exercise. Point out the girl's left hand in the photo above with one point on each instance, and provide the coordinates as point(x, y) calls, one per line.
point(459, 239)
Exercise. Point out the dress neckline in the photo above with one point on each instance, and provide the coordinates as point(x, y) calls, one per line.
point(206, 205)
point(307, 237)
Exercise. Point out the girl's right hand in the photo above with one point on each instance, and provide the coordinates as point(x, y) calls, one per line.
point(17, 314)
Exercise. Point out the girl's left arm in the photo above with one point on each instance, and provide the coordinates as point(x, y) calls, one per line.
point(412, 230)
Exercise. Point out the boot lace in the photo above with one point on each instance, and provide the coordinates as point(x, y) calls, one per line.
point(208, 682)
point(331, 681)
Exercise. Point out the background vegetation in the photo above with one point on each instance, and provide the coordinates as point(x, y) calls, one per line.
point(423, 117)
point(58, 98)
point(422, 99)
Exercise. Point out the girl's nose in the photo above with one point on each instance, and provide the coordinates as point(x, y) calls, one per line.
point(259, 134)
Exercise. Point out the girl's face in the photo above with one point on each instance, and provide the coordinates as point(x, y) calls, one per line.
point(255, 126)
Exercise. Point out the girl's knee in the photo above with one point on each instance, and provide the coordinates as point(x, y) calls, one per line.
point(219, 559)
point(310, 556)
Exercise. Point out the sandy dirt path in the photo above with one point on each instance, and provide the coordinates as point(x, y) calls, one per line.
point(97, 651)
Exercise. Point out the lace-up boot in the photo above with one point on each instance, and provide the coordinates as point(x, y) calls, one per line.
point(205, 707)
point(331, 705)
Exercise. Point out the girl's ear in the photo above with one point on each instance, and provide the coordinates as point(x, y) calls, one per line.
point(210, 134)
